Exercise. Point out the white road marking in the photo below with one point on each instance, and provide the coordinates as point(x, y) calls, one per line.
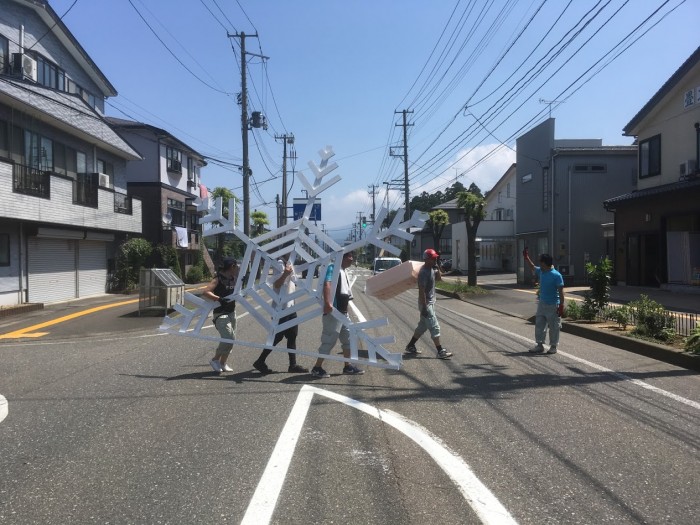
point(262, 505)
point(3, 408)
point(595, 366)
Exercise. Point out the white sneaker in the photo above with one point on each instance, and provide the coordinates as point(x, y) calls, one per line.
point(215, 365)
point(226, 368)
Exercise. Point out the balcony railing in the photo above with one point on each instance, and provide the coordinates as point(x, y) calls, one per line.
point(85, 189)
point(31, 181)
point(122, 203)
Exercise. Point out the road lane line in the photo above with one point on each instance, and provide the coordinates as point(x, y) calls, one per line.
point(3, 408)
point(479, 497)
point(29, 331)
point(595, 366)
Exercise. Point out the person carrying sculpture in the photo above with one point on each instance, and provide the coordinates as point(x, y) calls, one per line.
point(283, 280)
point(332, 328)
point(221, 286)
point(428, 274)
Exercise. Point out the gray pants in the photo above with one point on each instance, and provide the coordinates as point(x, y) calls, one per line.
point(332, 330)
point(546, 317)
point(226, 326)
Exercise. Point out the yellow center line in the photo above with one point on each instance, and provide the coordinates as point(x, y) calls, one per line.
point(30, 330)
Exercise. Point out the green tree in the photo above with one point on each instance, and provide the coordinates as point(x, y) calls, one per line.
point(226, 195)
point(473, 205)
point(259, 220)
point(132, 255)
point(437, 220)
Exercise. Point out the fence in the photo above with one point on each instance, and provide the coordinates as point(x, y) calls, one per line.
point(683, 322)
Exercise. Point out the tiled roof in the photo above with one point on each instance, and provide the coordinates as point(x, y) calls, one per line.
point(67, 112)
point(661, 93)
point(132, 124)
point(656, 190)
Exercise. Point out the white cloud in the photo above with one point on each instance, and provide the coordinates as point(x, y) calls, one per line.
point(483, 165)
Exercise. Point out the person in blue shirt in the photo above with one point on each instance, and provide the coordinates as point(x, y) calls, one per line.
point(550, 306)
point(332, 328)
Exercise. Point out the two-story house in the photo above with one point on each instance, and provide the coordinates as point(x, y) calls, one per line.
point(63, 197)
point(168, 182)
point(657, 226)
point(561, 187)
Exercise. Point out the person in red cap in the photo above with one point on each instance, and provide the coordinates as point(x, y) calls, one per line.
point(427, 276)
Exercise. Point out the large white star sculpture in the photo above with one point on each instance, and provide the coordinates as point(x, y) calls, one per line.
point(300, 239)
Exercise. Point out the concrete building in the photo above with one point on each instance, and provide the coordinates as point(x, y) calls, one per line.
point(657, 224)
point(64, 205)
point(561, 186)
point(168, 182)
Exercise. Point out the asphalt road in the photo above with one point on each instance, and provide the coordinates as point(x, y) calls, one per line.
point(108, 421)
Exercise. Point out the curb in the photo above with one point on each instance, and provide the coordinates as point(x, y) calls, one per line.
point(20, 309)
point(646, 348)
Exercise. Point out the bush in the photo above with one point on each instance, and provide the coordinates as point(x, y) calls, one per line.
point(692, 342)
point(573, 310)
point(166, 257)
point(620, 315)
point(599, 277)
point(195, 275)
point(652, 320)
point(132, 255)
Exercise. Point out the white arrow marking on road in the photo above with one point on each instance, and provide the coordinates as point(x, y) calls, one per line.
point(3, 408)
point(262, 505)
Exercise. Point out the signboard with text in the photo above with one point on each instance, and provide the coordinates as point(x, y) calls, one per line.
point(300, 204)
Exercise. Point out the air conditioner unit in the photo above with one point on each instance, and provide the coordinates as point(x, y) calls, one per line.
point(687, 168)
point(25, 66)
point(104, 180)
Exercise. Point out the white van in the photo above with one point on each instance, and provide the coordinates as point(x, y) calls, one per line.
point(384, 263)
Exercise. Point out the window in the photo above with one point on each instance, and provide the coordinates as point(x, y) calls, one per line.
point(650, 157)
point(4, 249)
point(545, 188)
point(590, 168)
point(508, 190)
point(38, 151)
point(4, 140)
point(173, 159)
point(4, 55)
point(176, 209)
point(105, 167)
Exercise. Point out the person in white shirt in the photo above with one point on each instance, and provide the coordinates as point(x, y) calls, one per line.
point(283, 281)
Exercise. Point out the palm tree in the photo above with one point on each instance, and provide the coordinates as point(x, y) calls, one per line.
point(225, 194)
point(259, 220)
point(474, 212)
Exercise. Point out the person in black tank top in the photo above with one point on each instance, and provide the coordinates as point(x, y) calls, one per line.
point(218, 289)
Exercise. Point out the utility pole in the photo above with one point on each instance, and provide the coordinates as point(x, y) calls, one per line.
point(407, 213)
point(373, 193)
point(286, 139)
point(244, 129)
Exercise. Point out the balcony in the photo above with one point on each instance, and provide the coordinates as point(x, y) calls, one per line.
point(85, 189)
point(31, 181)
point(122, 203)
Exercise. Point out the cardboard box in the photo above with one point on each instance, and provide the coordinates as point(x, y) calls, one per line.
point(394, 281)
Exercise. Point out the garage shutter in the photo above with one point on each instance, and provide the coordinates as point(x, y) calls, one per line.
point(51, 270)
point(92, 268)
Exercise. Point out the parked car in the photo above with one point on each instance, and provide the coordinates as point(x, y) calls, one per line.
point(384, 263)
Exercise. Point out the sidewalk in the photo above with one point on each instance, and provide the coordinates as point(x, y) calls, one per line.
point(507, 297)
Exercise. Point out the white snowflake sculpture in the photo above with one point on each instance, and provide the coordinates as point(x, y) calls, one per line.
point(301, 239)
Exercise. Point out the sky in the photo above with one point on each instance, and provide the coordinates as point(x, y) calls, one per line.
point(472, 76)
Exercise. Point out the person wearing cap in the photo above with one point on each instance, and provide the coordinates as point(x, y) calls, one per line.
point(332, 328)
point(218, 290)
point(550, 303)
point(283, 275)
point(427, 276)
